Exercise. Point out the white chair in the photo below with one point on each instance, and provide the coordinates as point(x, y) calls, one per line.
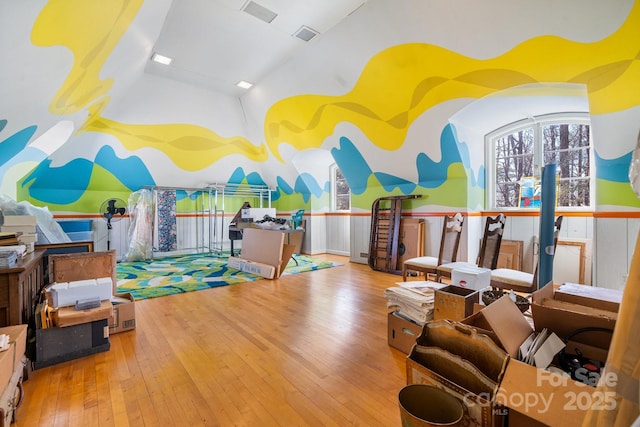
point(449, 242)
point(489, 248)
point(521, 281)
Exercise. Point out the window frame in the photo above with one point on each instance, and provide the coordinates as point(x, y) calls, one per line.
point(537, 123)
point(333, 170)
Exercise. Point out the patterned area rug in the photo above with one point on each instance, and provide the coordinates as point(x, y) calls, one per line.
point(193, 272)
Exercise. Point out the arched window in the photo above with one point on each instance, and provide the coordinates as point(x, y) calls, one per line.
point(519, 151)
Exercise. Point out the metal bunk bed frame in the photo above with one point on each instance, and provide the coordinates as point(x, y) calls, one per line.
point(223, 191)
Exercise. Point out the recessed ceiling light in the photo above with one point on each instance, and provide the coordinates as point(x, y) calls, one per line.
point(161, 59)
point(244, 85)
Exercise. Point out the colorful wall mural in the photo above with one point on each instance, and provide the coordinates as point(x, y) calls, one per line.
point(397, 86)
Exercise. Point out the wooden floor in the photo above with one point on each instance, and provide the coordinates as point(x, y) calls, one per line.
point(304, 350)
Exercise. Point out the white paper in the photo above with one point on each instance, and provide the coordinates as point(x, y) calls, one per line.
point(551, 346)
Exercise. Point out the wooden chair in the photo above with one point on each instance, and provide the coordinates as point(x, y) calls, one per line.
point(521, 281)
point(489, 248)
point(449, 242)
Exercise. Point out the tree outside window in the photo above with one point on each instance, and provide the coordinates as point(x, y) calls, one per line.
point(520, 152)
point(340, 191)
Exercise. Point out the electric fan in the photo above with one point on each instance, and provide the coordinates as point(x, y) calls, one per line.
point(112, 210)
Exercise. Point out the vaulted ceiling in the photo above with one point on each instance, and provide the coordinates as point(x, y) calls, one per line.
point(216, 43)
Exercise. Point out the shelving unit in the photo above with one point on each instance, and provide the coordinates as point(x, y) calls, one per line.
point(199, 212)
point(220, 194)
point(208, 212)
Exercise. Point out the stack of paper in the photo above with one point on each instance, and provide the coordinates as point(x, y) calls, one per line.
point(8, 258)
point(413, 300)
point(539, 349)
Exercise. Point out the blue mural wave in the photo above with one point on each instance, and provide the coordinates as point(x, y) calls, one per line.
point(131, 171)
point(353, 166)
point(616, 170)
point(10, 147)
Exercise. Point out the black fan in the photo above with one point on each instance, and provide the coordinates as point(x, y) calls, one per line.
point(112, 210)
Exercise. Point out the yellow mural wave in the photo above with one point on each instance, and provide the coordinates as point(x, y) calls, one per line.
point(401, 83)
point(91, 30)
point(190, 147)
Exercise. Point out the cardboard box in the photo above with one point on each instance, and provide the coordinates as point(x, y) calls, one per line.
point(402, 333)
point(266, 247)
point(604, 298)
point(411, 239)
point(124, 313)
point(264, 270)
point(536, 397)
point(475, 278)
point(11, 358)
point(57, 345)
point(504, 322)
point(454, 302)
point(69, 316)
point(550, 311)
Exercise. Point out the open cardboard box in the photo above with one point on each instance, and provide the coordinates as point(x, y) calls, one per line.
point(92, 265)
point(565, 314)
point(454, 302)
point(533, 396)
point(11, 358)
point(504, 323)
point(536, 397)
point(264, 252)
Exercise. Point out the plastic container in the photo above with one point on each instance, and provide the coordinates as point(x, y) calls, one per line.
point(80, 236)
point(76, 225)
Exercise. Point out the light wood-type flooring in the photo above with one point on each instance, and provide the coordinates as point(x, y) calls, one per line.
point(304, 350)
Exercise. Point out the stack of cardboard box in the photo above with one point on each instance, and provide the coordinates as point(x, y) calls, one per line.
point(525, 395)
point(12, 363)
point(65, 333)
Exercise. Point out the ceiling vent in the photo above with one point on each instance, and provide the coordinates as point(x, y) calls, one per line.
point(305, 33)
point(259, 11)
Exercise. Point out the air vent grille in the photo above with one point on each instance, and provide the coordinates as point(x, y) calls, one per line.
point(305, 33)
point(260, 12)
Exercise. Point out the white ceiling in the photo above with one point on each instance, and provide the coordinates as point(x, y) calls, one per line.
point(215, 43)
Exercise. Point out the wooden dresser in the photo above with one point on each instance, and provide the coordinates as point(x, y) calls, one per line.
point(19, 289)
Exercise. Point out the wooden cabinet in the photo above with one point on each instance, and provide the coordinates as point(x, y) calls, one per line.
point(19, 289)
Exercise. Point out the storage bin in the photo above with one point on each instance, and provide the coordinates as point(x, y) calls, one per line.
point(80, 236)
point(76, 225)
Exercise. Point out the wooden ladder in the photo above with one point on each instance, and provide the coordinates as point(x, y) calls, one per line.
point(386, 213)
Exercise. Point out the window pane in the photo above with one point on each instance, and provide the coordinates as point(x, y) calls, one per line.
point(341, 193)
point(567, 145)
point(514, 159)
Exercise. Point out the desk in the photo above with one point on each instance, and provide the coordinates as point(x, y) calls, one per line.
point(20, 287)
